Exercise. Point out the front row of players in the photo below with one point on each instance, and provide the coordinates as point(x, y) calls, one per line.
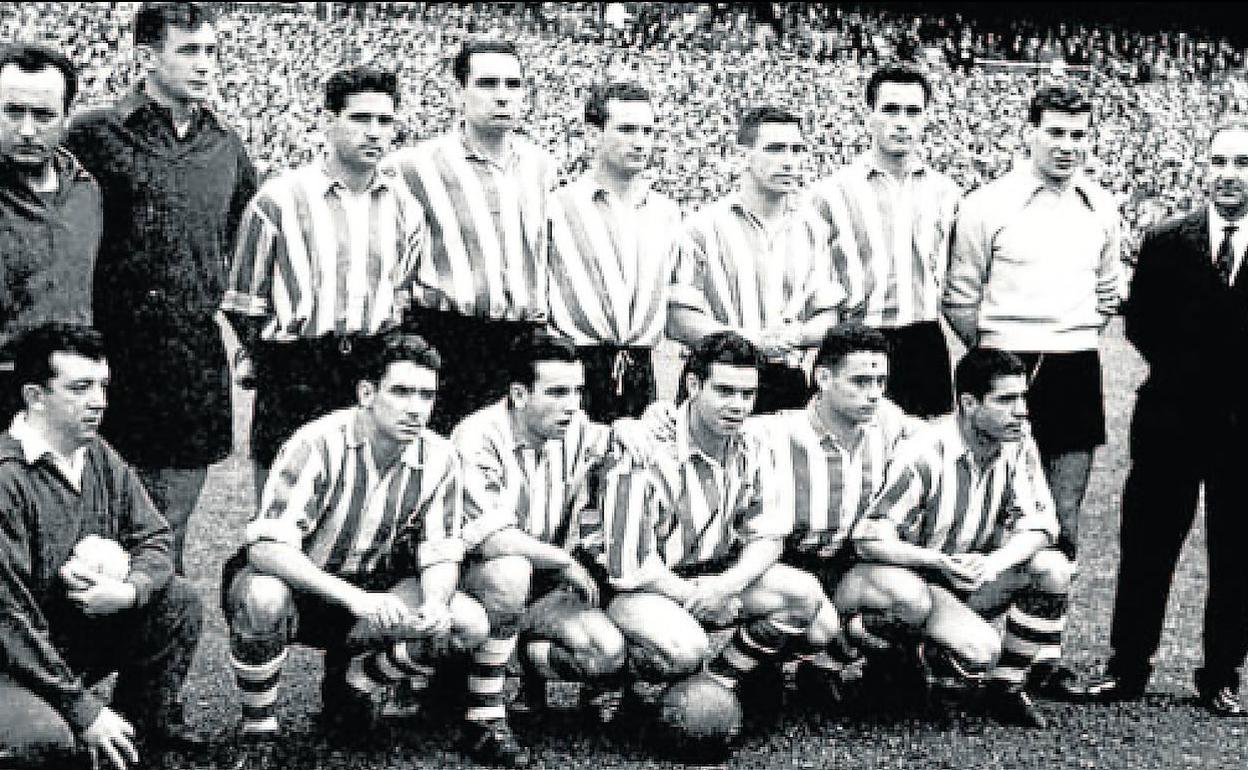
point(605, 555)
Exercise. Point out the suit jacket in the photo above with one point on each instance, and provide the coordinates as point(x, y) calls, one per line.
point(1192, 330)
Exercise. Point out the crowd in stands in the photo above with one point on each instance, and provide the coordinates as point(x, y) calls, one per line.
point(274, 64)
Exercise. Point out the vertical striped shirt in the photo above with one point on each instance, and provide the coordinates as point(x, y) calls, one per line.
point(826, 484)
point(487, 226)
point(314, 258)
point(610, 264)
point(326, 495)
point(686, 508)
point(890, 238)
point(539, 489)
point(749, 276)
point(936, 494)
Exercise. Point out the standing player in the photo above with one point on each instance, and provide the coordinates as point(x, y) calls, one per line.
point(965, 506)
point(891, 216)
point(323, 264)
point(484, 189)
point(1035, 271)
point(612, 246)
point(755, 262)
point(355, 549)
point(175, 181)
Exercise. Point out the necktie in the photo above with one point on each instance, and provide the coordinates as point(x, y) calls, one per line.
point(1226, 255)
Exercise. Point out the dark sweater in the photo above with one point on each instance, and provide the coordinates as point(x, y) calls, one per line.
point(41, 519)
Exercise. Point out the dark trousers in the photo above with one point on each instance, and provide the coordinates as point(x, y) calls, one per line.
point(920, 379)
point(619, 381)
point(1158, 507)
point(150, 648)
point(781, 387)
point(474, 354)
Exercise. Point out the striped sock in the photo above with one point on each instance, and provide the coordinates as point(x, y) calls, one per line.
point(486, 676)
point(1033, 633)
point(258, 683)
point(376, 669)
point(762, 639)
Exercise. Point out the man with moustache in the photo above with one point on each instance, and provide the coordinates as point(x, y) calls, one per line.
point(1188, 316)
point(49, 204)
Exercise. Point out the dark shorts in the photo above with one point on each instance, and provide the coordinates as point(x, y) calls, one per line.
point(828, 570)
point(781, 387)
point(1066, 401)
point(920, 379)
point(619, 382)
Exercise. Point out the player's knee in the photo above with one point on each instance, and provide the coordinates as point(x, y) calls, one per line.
point(979, 649)
point(599, 649)
point(258, 605)
point(501, 585)
point(1051, 571)
point(470, 625)
point(673, 658)
point(804, 598)
point(825, 627)
point(909, 602)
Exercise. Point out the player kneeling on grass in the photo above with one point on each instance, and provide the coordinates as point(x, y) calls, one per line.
point(86, 577)
point(355, 550)
point(692, 540)
point(966, 507)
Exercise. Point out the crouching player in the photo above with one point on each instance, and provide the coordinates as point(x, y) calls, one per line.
point(692, 541)
point(355, 550)
point(966, 507)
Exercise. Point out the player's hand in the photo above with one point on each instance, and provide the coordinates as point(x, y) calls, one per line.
point(111, 737)
point(77, 576)
point(709, 599)
point(383, 613)
point(660, 417)
point(634, 437)
point(966, 571)
point(432, 619)
point(103, 595)
point(579, 579)
point(244, 370)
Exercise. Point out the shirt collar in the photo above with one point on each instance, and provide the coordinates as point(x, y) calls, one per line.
point(1033, 183)
point(686, 447)
point(639, 189)
point(137, 99)
point(810, 417)
point(736, 203)
point(866, 162)
point(383, 178)
point(35, 447)
point(473, 152)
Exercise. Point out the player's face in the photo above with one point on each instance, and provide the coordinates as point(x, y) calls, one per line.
point(628, 136)
point(1059, 145)
point(32, 115)
point(401, 402)
point(363, 131)
point(896, 122)
point(725, 398)
point(184, 64)
point(549, 407)
point(852, 389)
point(71, 405)
point(494, 91)
point(1228, 172)
point(775, 159)
point(1002, 413)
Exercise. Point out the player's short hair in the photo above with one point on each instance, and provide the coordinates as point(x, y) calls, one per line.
point(726, 347)
point(357, 80)
point(978, 369)
point(32, 350)
point(1067, 99)
point(529, 350)
point(153, 20)
point(846, 338)
point(463, 60)
point(754, 117)
point(1231, 121)
point(596, 109)
point(31, 57)
point(894, 73)
point(375, 356)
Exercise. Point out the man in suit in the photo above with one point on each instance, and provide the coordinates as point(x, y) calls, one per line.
point(1188, 316)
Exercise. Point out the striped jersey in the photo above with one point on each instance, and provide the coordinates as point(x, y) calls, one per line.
point(890, 238)
point(686, 508)
point(826, 484)
point(487, 226)
point(539, 489)
point(610, 264)
point(936, 495)
point(748, 276)
point(314, 258)
point(326, 495)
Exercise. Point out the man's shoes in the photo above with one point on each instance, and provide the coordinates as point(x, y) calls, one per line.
point(493, 743)
point(1224, 702)
point(819, 681)
point(1013, 707)
point(1056, 682)
point(600, 702)
point(405, 700)
point(353, 714)
point(530, 698)
point(1111, 688)
point(944, 671)
point(258, 751)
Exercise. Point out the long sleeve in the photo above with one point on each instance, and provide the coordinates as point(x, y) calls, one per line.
point(245, 186)
point(970, 256)
point(258, 247)
point(147, 537)
point(630, 509)
point(897, 511)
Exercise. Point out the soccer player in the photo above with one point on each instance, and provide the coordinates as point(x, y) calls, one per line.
point(756, 263)
point(43, 189)
point(1035, 270)
point(485, 191)
point(966, 507)
point(692, 540)
point(612, 247)
point(324, 259)
point(891, 217)
point(354, 549)
point(175, 180)
point(67, 626)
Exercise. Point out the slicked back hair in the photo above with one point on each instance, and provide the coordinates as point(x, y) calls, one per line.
point(726, 347)
point(153, 20)
point(1057, 99)
point(846, 338)
point(978, 369)
point(529, 350)
point(32, 350)
point(377, 355)
point(596, 108)
point(896, 74)
point(31, 57)
point(357, 80)
point(754, 117)
point(463, 60)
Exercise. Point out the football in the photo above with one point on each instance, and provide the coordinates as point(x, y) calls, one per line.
point(103, 556)
point(700, 717)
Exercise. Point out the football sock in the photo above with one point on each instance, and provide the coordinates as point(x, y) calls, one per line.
point(376, 669)
point(754, 642)
point(487, 674)
point(1033, 632)
point(258, 682)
